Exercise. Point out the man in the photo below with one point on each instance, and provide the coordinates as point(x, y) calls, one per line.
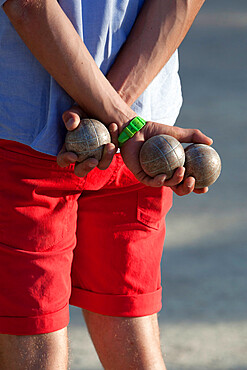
point(109, 223)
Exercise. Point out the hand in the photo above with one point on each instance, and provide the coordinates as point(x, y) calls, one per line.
point(71, 120)
point(130, 153)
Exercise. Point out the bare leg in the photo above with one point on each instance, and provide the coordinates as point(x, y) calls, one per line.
point(34, 352)
point(126, 343)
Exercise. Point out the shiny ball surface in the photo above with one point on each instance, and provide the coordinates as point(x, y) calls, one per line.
point(88, 139)
point(203, 163)
point(161, 154)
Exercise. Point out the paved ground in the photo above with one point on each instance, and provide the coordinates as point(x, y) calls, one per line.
point(204, 321)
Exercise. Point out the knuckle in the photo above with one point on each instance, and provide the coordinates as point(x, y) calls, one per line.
point(197, 132)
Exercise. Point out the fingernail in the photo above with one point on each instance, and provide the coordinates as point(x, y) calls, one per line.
point(70, 123)
point(190, 184)
point(111, 151)
point(162, 181)
point(72, 157)
point(110, 148)
point(113, 127)
point(92, 165)
point(182, 174)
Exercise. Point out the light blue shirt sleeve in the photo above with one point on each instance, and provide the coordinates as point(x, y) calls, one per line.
point(2, 2)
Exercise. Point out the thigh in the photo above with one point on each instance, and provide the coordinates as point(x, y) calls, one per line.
point(44, 351)
point(120, 238)
point(126, 343)
point(37, 237)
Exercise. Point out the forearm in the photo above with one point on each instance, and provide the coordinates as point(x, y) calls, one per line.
point(52, 39)
point(158, 31)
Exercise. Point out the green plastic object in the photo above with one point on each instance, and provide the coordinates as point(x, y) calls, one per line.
point(135, 125)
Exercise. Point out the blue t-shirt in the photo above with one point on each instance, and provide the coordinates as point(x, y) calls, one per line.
point(32, 103)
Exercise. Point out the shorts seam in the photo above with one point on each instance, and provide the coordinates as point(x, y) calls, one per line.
point(118, 166)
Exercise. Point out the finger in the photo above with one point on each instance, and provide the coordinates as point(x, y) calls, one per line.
point(113, 129)
point(76, 109)
point(156, 181)
point(108, 154)
point(185, 188)
point(201, 191)
point(83, 168)
point(188, 135)
point(72, 117)
point(65, 158)
point(176, 178)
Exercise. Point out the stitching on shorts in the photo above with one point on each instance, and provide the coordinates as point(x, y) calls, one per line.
point(114, 174)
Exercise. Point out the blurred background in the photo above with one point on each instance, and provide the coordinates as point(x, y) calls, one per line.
point(204, 317)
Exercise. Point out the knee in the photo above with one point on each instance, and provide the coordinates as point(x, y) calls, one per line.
point(41, 351)
point(126, 343)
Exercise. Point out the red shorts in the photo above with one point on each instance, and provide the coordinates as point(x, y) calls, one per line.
point(94, 242)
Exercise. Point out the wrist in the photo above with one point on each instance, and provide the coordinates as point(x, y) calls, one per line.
point(119, 113)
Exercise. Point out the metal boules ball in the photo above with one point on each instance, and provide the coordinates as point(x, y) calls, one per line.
point(203, 163)
point(88, 139)
point(161, 154)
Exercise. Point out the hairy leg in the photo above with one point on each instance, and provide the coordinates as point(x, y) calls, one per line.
point(126, 343)
point(34, 352)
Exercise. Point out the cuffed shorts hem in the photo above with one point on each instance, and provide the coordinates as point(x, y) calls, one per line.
point(101, 236)
point(47, 323)
point(118, 305)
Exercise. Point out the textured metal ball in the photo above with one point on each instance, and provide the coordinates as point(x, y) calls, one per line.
point(203, 163)
point(88, 139)
point(161, 154)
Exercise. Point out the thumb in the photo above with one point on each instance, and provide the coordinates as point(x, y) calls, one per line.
point(72, 117)
point(188, 135)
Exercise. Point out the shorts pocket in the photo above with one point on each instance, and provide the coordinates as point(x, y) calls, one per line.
point(153, 205)
point(38, 206)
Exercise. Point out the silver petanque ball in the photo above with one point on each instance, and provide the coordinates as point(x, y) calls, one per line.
point(203, 163)
point(161, 154)
point(88, 139)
